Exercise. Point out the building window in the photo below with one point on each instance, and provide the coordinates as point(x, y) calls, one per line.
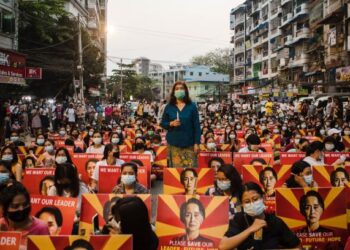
point(7, 22)
point(199, 73)
point(191, 73)
point(206, 87)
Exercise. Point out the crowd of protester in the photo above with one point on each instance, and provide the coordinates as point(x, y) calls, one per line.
point(187, 129)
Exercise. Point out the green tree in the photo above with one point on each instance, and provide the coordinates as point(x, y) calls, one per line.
point(219, 60)
point(138, 86)
point(48, 35)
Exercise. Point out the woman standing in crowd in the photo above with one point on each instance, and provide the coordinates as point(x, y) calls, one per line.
point(181, 120)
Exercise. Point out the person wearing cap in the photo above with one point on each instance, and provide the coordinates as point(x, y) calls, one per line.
point(253, 143)
point(336, 134)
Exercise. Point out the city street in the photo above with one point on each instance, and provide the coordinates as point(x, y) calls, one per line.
point(163, 125)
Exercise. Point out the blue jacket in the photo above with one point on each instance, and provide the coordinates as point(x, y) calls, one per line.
point(189, 133)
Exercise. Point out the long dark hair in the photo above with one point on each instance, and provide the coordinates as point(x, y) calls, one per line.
point(68, 171)
point(172, 99)
point(232, 174)
point(69, 159)
point(107, 150)
point(297, 168)
point(9, 193)
point(133, 216)
point(13, 152)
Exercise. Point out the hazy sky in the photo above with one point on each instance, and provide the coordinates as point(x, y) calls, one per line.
point(167, 30)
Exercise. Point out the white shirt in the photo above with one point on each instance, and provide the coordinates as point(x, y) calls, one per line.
point(71, 115)
point(95, 175)
point(313, 162)
point(93, 150)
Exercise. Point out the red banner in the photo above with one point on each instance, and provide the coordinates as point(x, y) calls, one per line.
point(101, 242)
point(99, 205)
point(288, 158)
point(144, 158)
point(317, 216)
point(240, 159)
point(10, 240)
point(49, 208)
point(330, 158)
point(109, 176)
point(210, 226)
point(205, 157)
point(199, 182)
point(12, 64)
point(34, 176)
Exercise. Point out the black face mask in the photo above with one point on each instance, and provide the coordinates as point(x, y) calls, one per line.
point(116, 154)
point(139, 146)
point(19, 215)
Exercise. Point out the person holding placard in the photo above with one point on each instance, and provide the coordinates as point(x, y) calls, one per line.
point(301, 176)
point(15, 202)
point(181, 120)
point(111, 156)
point(253, 228)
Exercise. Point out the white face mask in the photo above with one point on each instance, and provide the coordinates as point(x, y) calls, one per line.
point(322, 131)
point(329, 147)
point(223, 185)
point(128, 179)
point(97, 141)
point(211, 145)
point(296, 141)
point(254, 209)
point(308, 179)
point(115, 140)
point(232, 136)
point(61, 159)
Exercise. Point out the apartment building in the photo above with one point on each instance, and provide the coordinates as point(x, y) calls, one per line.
point(293, 42)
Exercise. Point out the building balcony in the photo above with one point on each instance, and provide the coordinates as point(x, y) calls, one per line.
point(301, 10)
point(239, 20)
point(333, 7)
point(275, 32)
point(256, 7)
point(239, 34)
point(257, 58)
point(239, 78)
point(298, 61)
point(265, 71)
point(283, 2)
point(239, 64)
point(239, 49)
point(265, 56)
point(286, 19)
point(257, 41)
point(302, 33)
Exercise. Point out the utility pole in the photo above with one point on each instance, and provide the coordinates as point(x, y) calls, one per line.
point(80, 66)
point(121, 81)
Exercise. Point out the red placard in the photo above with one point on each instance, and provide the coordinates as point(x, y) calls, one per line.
point(201, 183)
point(103, 242)
point(109, 176)
point(99, 205)
point(240, 134)
point(205, 157)
point(144, 158)
point(240, 159)
point(330, 158)
point(171, 230)
point(10, 240)
point(252, 173)
point(288, 158)
point(33, 176)
point(80, 160)
point(332, 230)
point(129, 145)
point(66, 206)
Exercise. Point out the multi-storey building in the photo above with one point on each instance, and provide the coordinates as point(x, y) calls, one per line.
point(294, 42)
point(8, 25)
